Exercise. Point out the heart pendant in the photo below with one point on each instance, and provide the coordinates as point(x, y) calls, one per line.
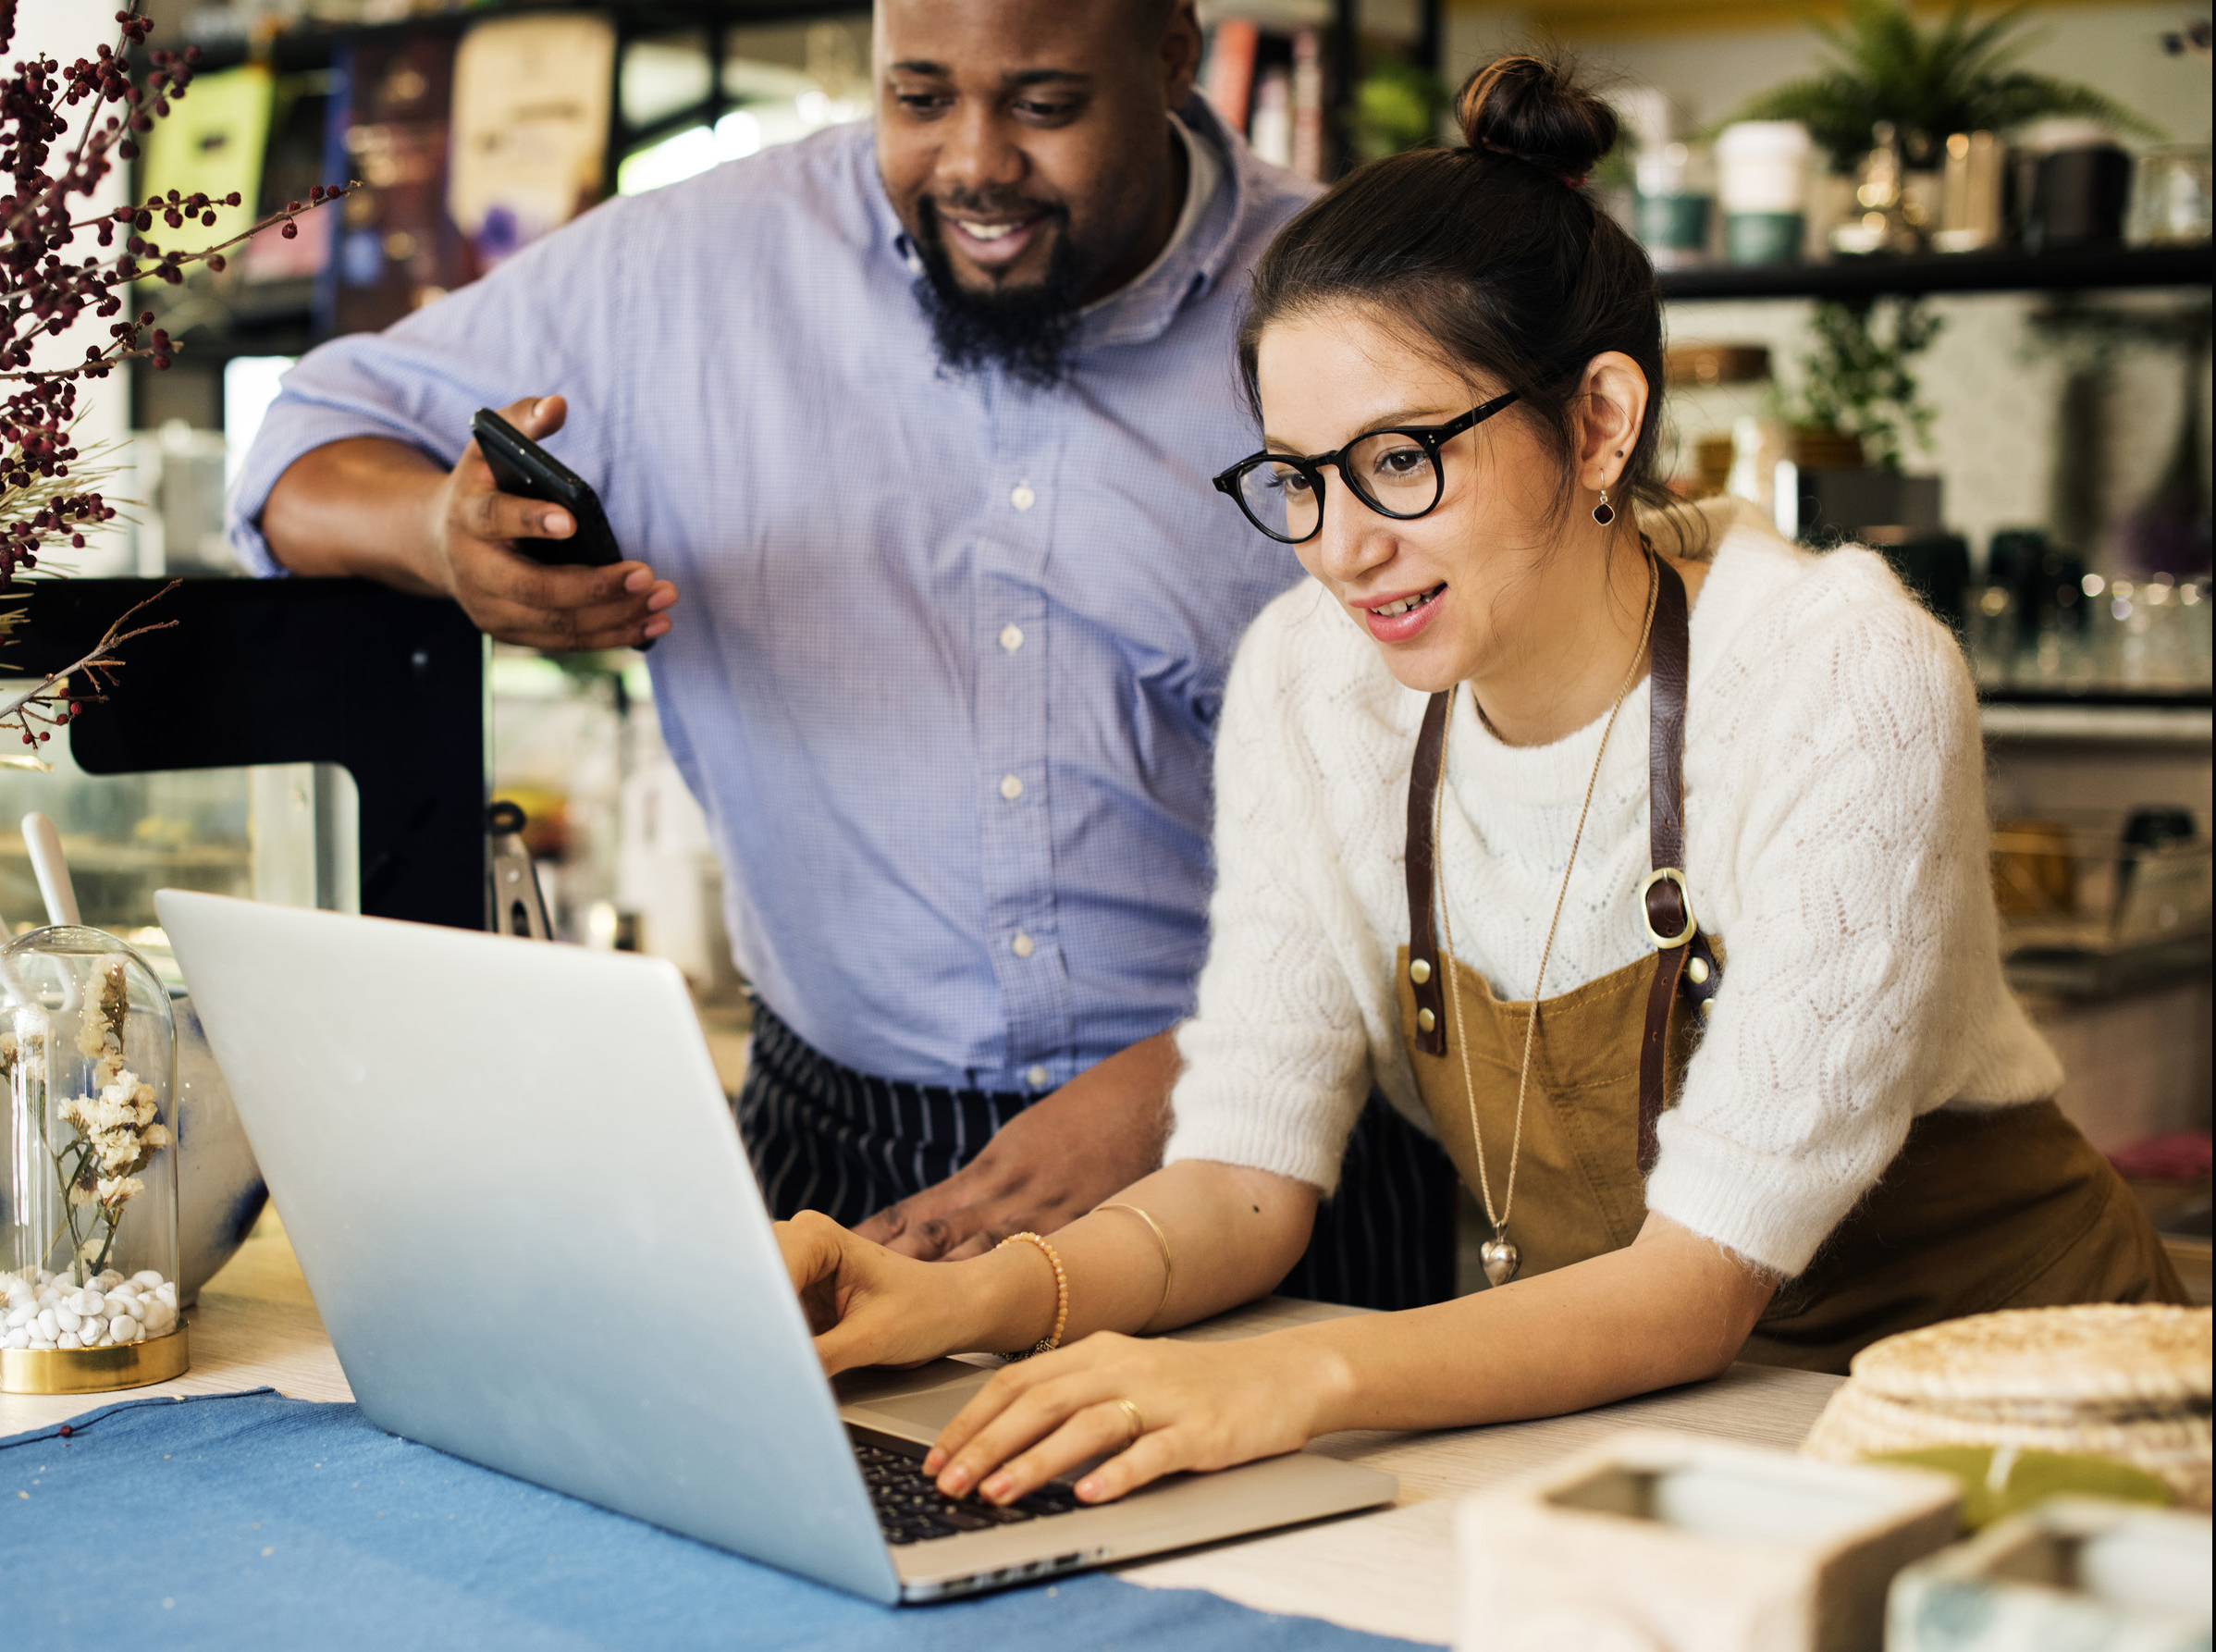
point(1501, 1259)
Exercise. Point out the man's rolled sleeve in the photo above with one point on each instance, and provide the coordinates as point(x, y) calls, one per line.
point(419, 381)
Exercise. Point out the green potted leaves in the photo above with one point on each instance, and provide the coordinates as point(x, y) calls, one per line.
point(1962, 76)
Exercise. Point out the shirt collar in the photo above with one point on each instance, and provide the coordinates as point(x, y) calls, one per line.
point(1188, 267)
point(1203, 171)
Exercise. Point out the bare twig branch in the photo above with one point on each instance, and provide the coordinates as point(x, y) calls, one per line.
point(49, 702)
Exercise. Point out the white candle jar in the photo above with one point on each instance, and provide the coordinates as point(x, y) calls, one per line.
point(88, 1171)
point(1761, 176)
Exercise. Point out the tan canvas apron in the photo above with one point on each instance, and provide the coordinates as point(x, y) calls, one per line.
point(2008, 1208)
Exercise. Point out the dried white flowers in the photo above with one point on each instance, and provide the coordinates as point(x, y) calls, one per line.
point(116, 1131)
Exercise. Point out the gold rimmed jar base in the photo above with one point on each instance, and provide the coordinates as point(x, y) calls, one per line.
point(94, 1370)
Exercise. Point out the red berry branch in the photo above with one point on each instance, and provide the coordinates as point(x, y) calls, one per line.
point(54, 702)
point(50, 279)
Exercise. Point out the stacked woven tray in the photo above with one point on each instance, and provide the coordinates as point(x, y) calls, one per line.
point(2123, 1382)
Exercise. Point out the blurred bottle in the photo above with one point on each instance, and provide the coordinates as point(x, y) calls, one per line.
point(2170, 196)
point(1970, 213)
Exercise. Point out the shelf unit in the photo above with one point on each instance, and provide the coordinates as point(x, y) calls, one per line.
point(1850, 278)
point(2107, 718)
point(309, 45)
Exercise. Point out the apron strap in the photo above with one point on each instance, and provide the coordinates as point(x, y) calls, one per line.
point(1663, 896)
point(1425, 968)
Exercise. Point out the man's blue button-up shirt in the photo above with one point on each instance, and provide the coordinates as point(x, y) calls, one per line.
point(946, 668)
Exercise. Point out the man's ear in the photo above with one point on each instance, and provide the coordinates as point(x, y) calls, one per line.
point(1181, 45)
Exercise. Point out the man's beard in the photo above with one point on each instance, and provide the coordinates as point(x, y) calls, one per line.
point(1025, 331)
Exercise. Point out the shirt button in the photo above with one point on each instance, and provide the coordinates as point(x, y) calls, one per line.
point(1021, 496)
point(1023, 945)
point(1011, 638)
point(1011, 788)
point(1037, 1077)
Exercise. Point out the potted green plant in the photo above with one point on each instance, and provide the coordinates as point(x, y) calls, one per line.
point(1962, 75)
point(1396, 106)
point(1858, 387)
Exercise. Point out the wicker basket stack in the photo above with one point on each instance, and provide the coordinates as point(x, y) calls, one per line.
point(2127, 1383)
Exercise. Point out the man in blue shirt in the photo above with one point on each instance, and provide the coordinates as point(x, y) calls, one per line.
point(919, 416)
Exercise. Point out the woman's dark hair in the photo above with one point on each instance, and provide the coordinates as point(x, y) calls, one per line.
point(1493, 256)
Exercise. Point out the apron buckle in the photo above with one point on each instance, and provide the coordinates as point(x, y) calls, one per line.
point(1671, 875)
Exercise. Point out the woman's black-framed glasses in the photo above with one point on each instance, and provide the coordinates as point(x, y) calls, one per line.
point(1397, 473)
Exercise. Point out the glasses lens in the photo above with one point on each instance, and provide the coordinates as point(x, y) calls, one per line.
point(1281, 500)
point(1395, 473)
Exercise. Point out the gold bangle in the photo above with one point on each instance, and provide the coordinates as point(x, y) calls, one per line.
point(1052, 1339)
point(1169, 1268)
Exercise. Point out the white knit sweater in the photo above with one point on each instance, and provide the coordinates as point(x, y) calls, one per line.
point(1836, 844)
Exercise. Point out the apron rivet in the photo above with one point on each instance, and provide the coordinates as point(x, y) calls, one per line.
point(1419, 971)
point(1708, 1004)
point(1696, 971)
point(1426, 1020)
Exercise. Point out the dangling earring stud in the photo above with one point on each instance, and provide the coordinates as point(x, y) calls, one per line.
point(1603, 512)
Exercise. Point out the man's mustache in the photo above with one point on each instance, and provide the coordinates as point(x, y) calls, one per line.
point(989, 204)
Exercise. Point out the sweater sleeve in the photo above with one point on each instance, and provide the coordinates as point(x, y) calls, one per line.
point(1276, 1058)
point(1861, 959)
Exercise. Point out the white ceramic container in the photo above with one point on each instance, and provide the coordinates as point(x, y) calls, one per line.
point(220, 1186)
point(2074, 1573)
point(1676, 1543)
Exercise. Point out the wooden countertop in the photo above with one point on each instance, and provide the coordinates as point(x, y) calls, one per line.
point(1392, 1572)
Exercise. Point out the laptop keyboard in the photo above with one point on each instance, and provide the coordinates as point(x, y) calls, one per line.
point(911, 1509)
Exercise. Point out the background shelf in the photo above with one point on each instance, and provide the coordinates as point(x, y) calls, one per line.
point(1947, 272)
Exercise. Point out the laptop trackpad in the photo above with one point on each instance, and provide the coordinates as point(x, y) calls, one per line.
point(913, 1405)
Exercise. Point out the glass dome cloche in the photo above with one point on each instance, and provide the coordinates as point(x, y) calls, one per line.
point(88, 1170)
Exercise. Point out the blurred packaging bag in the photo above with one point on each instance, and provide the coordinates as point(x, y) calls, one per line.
point(530, 129)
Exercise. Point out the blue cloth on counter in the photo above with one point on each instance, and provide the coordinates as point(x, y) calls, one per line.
point(246, 1521)
point(946, 665)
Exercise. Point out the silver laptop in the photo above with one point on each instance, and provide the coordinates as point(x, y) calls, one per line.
point(511, 1176)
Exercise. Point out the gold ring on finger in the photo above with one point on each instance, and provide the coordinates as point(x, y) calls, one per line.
point(1139, 1423)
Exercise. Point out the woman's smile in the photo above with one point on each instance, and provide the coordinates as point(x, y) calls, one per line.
point(1398, 618)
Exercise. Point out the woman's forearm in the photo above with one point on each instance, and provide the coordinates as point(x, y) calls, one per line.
point(1232, 1234)
point(1670, 1308)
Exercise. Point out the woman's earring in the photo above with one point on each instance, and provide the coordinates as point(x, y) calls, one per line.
point(1603, 512)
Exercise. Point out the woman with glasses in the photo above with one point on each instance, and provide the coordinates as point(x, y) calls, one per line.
point(1639, 856)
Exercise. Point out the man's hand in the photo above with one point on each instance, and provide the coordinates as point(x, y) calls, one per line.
point(475, 532)
point(1048, 1166)
point(382, 510)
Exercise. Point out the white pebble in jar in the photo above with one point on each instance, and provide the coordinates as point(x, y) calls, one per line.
point(44, 1312)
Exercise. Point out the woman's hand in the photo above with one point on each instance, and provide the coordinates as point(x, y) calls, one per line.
point(1182, 1406)
point(867, 1306)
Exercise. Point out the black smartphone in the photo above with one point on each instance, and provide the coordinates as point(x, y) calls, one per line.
point(523, 468)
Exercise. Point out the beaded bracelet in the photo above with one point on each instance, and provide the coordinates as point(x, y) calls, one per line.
point(1052, 1339)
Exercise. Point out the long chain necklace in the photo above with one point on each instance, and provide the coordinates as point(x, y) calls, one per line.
point(1499, 1255)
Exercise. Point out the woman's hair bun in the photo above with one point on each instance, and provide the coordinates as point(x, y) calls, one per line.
point(1532, 110)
